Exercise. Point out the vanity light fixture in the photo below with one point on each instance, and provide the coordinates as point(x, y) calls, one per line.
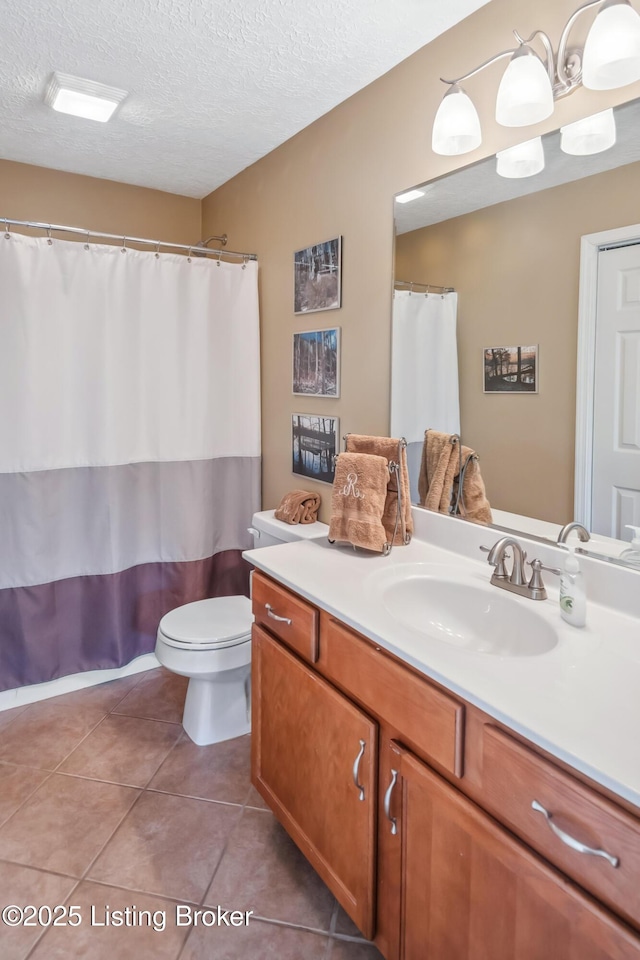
point(82, 98)
point(530, 85)
point(409, 195)
point(591, 135)
point(524, 160)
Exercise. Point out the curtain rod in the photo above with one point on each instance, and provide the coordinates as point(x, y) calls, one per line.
point(198, 249)
point(427, 287)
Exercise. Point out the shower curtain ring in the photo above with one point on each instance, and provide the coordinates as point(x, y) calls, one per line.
point(158, 250)
point(219, 255)
point(86, 246)
point(410, 288)
point(7, 227)
point(123, 248)
point(49, 240)
point(189, 255)
point(244, 263)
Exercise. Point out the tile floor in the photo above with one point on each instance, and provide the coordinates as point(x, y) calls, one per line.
point(105, 803)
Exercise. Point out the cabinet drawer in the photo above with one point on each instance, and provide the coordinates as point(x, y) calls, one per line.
point(514, 777)
point(288, 617)
point(425, 717)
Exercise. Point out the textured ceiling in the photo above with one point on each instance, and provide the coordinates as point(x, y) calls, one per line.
point(214, 84)
point(478, 185)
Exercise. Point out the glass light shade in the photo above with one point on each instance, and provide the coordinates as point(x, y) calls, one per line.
point(611, 56)
point(525, 95)
point(523, 160)
point(591, 135)
point(456, 128)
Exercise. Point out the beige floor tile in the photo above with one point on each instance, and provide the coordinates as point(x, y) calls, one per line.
point(167, 845)
point(256, 941)
point(63, 826)
point(345, 925)
point(124, 750)
point(103, 695)
point(217, 772)
point(8, 716)
point(45, 733)
point(255, 800)
point(24, 886)
point(94, 942)
point(159, 696)
point(263, 870)
point(16, 784)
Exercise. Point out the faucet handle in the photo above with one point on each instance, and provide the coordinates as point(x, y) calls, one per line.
point(500, 568)
point(537, 566)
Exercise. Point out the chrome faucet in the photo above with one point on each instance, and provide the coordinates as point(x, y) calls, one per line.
point(515, 581)
point(582, 532)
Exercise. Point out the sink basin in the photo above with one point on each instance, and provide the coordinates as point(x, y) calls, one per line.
point(461, 612)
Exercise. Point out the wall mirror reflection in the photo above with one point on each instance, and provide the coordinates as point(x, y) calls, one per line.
point(489, 264)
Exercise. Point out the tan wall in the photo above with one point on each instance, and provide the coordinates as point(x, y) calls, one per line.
point(516, 269)
point(338, 176)
point(51, 196)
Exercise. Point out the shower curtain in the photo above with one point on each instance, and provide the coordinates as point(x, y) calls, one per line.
point(424, 371)
point(129, 447)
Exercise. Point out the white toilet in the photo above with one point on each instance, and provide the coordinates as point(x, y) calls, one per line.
point(209, 641)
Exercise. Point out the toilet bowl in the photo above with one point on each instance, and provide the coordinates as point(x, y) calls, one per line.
point(209, 641)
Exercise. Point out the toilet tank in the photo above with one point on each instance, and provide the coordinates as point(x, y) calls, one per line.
point(267, 531)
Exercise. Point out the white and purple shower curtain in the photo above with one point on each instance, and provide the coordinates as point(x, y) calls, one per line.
point(129, 447)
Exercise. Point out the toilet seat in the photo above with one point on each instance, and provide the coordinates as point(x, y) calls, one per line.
point(212, 624)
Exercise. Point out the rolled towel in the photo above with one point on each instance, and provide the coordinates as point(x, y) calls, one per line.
point(357, 503)
point(298, 506)
point(388, 447)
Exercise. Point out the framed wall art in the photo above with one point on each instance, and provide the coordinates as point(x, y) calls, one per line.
point(314, 444)
point(316, 363)
point(317, 277)
point(510, 369)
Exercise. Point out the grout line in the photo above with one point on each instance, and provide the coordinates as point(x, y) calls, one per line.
point(49, 774)
point(73, 750)
point(46, 929)
point(292, 925)
point(111, 835)
point(334, 918)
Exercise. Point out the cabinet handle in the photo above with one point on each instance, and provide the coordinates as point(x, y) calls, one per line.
point(571, 841)
point(274, 616)
point(387, 803)
point(356, 771)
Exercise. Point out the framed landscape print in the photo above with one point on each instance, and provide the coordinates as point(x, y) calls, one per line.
point(314, 444)
point(317, 277)
point(510, 369)
point(316, 363)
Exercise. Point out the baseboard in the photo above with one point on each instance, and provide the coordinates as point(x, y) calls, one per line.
point(77, 681)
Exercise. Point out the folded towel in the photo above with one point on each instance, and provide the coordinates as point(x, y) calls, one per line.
point(445, 465)
point(473, 503)
point(440, 464)
point(298, 506)
point(357, 503)
point(387, 447)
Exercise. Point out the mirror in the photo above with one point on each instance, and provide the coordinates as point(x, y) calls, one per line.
point(511, 251)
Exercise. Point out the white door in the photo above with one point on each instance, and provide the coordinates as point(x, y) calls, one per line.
point(616, 420)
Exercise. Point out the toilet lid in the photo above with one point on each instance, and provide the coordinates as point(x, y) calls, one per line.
point(209, 622)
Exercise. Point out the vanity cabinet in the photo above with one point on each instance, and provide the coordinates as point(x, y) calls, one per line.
point(314, 760)
point(415, 807)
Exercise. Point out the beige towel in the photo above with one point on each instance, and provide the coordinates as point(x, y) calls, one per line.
point(357, 503)
point(473, 502)
point(298, 506)
point(387, 447)
point(440, 464)
point(439, 478)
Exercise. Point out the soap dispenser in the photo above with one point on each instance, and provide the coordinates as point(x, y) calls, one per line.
point(632, 554)
point(573, 598)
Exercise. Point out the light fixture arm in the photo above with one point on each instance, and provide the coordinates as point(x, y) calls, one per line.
point(487, 63)
point(569, 82)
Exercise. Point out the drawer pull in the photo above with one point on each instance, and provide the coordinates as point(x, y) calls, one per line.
point(571, 841)
point(274, 616)
point(356, 771)
point(387, 803)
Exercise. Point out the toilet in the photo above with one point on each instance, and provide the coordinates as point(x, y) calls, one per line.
point(209, 641)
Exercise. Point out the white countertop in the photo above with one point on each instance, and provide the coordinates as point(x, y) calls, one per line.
point(580, 701)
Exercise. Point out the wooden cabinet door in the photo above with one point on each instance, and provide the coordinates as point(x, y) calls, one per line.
point(310, 745)
point(471, 891)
